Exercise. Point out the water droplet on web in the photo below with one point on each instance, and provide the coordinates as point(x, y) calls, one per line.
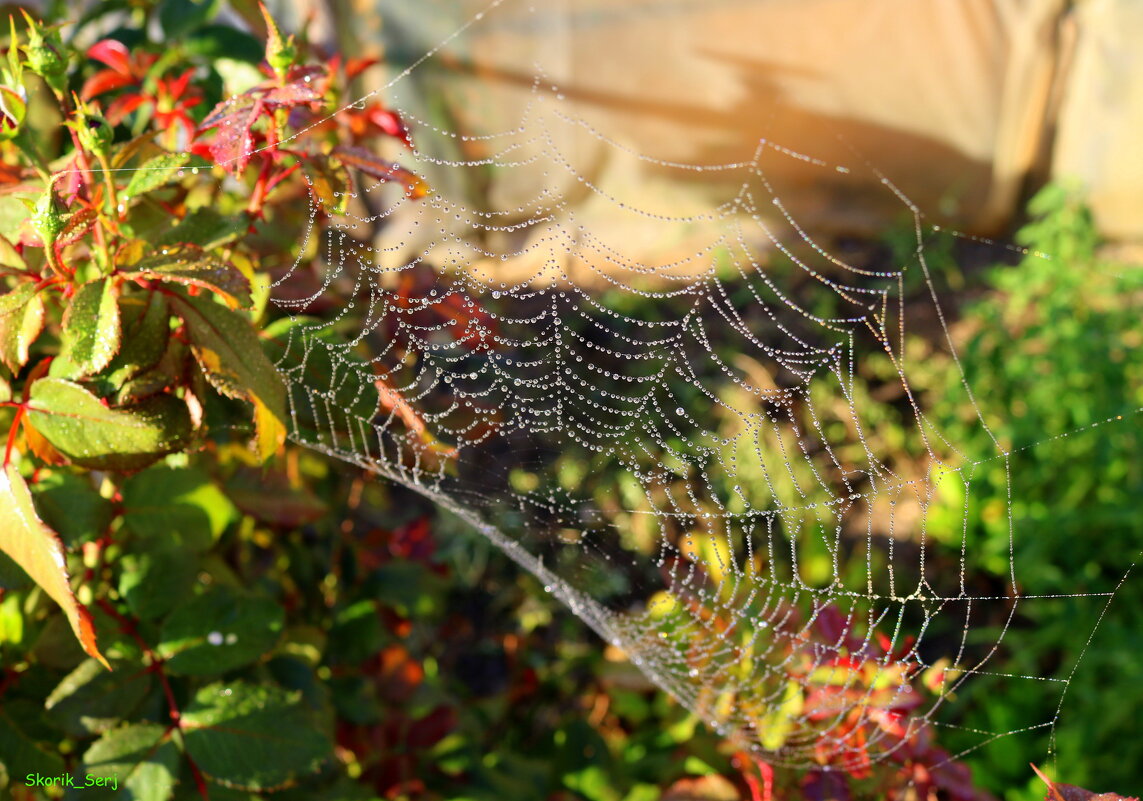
point(215, 638)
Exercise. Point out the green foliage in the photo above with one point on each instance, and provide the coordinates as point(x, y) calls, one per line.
point(1057, 349)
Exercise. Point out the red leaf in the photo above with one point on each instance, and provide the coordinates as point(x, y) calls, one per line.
point(1069, 792)
point(292, 94)
point(356, 66)
point(235, 118)
point(105, 81)
point(361, 159)
point(832, 626)
point(432, 728)
point(113, 53)
point(820, 785)
point(389, 123)
point(77, 225)
point(122, 106)
point(413, 541)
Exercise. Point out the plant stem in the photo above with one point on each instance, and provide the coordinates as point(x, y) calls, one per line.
point(112, 196)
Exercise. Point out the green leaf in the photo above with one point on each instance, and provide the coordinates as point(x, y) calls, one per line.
point(18, 330)
point(231, 356)
point(314, 360)
point(19, 754)
point(96, 436)
point(172, 503)
point(212, 42)
point(170, 369)
point(157, 172)
point(146, 330)
point(14, 299)
point(153, 582)
point(269, 497)
point(11, 616)
point(56, 647)
point(256, 737)
point(10, 257)
point(205, 228)
point(70, 505)
point(356, 634)
point(218, 631)
point(90, 700)
point(37, 549)
point(90, 336)
point(192, 266)
point(179, 17)
point(140, 760)
point(12, 576)
point(14, 211)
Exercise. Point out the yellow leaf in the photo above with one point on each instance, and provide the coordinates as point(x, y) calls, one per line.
point(38, 550)
point(270, 432)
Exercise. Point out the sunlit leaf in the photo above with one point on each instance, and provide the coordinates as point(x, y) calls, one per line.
point(1070, 792)
point(157, 172)
point(361, 159)
point(228, 350)
point(176, 504)
point(145, 324)
point(70, 505)
point(15, 299)
point(94, 435)
point(37, 549)
point(205, 228)
point(91, 327)
point(191, 265)
point(18, 330)
point(329, 183)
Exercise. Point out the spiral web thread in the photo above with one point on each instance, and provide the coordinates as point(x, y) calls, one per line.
point(662, 443)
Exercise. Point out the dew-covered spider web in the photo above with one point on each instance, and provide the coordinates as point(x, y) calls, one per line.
point(654, 401)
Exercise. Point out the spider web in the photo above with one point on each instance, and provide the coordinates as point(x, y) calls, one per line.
point(656, 410)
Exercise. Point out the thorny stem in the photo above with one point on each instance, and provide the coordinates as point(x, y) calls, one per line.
point(112, 195)
point(261, 187)
point(54, 262)
point(85, 167)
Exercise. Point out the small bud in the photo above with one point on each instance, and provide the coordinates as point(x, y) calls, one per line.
point(95, 132)
point(46, 54)
point(48, 217)
point(281, 54)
